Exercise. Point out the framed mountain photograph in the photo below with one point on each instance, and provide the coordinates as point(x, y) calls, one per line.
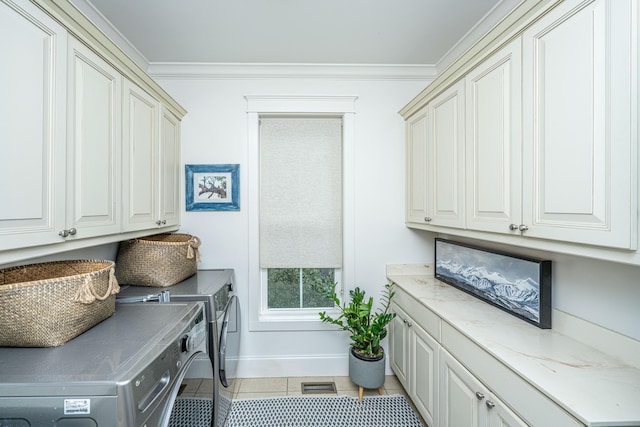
point(518, 285)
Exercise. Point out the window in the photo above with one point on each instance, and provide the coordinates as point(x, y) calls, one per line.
point(300, 204)
point(261, 108)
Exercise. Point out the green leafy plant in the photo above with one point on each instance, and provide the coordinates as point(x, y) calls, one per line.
point(367, 329)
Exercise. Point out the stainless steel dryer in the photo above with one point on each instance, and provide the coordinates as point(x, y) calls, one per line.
point(215, 288)
point(123, 372)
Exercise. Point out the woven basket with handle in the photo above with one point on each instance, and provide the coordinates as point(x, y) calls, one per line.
point(47, 304)
point(159, 260)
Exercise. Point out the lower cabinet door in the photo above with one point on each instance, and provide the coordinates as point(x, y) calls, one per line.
point(466, 402)
point(459, 404)
point(424, 365)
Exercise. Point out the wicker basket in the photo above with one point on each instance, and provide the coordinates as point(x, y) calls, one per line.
point(160, 260)
point(47, 304)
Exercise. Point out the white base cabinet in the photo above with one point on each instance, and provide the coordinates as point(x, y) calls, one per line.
point(414, 358)
point(455, 383)
point(466, 402)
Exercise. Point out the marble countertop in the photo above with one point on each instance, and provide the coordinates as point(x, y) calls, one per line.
point(592, 385)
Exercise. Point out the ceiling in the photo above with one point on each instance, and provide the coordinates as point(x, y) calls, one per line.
point(298, 31)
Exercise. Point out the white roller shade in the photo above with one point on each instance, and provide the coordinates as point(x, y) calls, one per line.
point(300, 192)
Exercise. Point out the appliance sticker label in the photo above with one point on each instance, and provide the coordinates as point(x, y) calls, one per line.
point(77, 406)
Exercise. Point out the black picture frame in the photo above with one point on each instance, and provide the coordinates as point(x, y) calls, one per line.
point(519, 285)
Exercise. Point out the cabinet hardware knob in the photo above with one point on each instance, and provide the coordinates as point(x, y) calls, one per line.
point(72, 232)
point(409, 324)
point(158, 222)
point(479, 395)
point(523, 227)
point(404, 321)
point(63, 233)
point(427, 219)
point(513, 227)
point(490, 404)
point(164, 221)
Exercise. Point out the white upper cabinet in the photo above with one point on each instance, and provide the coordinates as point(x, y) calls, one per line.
point(493, 141)
point(95, 141)
point(416, 149)
point(169, 213)
point(81, 164)
point(580, 136)
point(445, 158)
point(141, 113)
point(33, 130)
point(532, 136)
point(151, 158)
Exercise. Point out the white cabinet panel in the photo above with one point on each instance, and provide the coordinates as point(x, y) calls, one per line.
point(416, 152)
point(33, 130)
point(466, 402)
point(493, 141)
point(414, 359)
point(424, 368)
point(95, 142)
point(151, 162)
point(579, 138)
point(169, 178)
point(445, 154)
point(140, 152)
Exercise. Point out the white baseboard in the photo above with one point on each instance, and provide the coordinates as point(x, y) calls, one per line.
point(330, 365)
point(326, 365)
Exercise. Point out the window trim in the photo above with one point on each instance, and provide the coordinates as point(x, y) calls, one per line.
point(261, 319)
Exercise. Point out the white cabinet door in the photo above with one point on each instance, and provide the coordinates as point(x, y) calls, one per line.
point(398, 345)
point(416, 152)
point(466, 402)
point(95, 143)
point(493, 142)
point(580, 127)
point(151, 162)
point(33, 130)
point(169, 179)
point(414, 360)
point(140, 153)
point(445, 154)
point(459, 405)
point(424, 369)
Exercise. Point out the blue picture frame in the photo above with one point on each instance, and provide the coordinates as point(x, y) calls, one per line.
point(212, 187)
point(516, 284)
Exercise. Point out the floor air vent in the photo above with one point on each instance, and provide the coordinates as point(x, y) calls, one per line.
point(319, 388)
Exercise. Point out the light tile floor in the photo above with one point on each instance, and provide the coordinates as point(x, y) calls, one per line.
point(247, 388)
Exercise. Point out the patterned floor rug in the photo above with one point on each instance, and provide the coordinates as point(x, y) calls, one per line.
point(342, 411)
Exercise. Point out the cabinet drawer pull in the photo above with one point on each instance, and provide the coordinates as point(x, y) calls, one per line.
point(490, 404)
point(427, 219)
point(513, 227)
point(479, 395)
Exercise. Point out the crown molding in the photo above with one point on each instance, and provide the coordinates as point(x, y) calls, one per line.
point(168, 70)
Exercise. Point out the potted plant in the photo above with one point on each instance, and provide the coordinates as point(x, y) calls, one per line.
point(367, 329)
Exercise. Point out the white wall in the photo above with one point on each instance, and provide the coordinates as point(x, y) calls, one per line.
point(215, 131)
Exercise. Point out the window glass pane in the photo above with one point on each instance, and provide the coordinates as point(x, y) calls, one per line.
point(283, 287)
point(317, 284)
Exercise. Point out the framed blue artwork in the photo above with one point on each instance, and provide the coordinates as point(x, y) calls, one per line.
point(518, 285)
point(212, 187)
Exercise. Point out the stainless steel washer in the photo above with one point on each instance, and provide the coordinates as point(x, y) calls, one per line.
point(124, 371)
point(216, 289)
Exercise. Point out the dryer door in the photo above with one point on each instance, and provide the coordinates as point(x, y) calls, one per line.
point(229, 342)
